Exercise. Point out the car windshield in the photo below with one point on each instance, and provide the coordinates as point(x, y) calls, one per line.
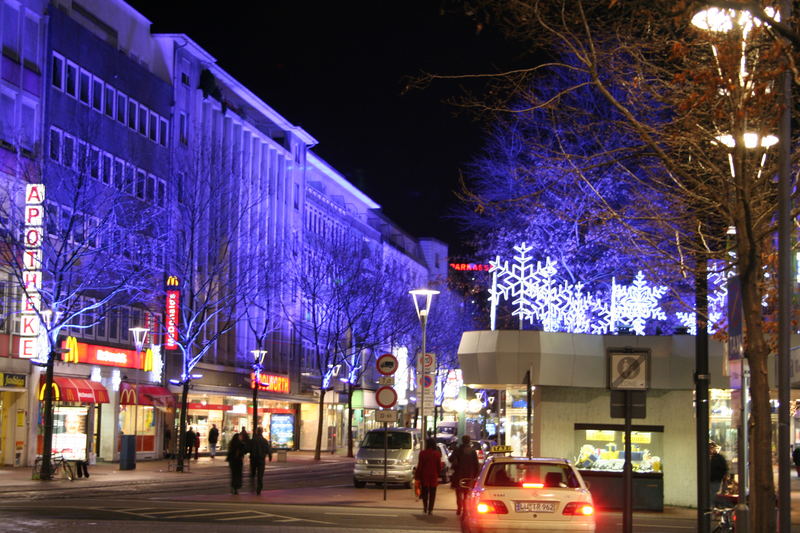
point(544, 474)
point(396, 441)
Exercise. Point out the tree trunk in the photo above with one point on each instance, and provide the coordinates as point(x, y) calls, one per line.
point(350, 420)
point(318, 446)
point(762, 487)
point(182, 427)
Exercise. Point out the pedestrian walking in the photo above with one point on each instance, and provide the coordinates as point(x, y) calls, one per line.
point(429, 469)
point(465, 468)
point(718, 470)
point(245, 438)
point(213, 437)
point(188, 442)
point(260, 451)
point(796, 458)
point(235, 459)
point(196, 446)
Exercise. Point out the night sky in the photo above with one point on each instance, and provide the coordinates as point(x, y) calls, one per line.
point(338, 69)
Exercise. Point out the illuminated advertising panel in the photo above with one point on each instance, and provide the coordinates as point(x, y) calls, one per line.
point(172, 314)
point(93, 354)
point(270, 382)
point(32, 235)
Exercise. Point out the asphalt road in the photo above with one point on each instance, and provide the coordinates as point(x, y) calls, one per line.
point(208, 506)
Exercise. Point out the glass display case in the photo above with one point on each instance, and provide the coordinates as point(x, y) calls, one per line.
point(604, 449)
point(600, 457)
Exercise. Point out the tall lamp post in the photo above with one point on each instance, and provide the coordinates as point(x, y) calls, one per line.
point(258, 367)
point(139, 336)
point(422, 303)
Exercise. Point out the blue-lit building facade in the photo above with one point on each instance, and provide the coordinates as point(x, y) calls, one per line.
point(87, 90)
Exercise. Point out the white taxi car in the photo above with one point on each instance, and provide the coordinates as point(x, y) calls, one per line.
point(521, 494)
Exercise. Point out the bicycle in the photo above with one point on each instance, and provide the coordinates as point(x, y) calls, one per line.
point(59, 467)
point(722, 520)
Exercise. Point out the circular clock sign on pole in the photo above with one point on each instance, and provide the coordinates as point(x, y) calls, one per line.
point(386, 397)
point(387, 364)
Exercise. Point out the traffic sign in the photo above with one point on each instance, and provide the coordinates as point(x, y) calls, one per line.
point(386, 397)
point(386, 380)
point(386, 415)
point(628, 370)
point(426, 363)
point(387, 364)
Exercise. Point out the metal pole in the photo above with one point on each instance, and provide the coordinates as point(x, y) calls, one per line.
point(47, 444)
point(784, 292)
point(424, 422)
point(529, 401)
point(627, 504)
point(742, 508)
point(701, 378)
point(255, 402)
point(385, 456)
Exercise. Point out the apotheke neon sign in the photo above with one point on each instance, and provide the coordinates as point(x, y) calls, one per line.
point(32, 236)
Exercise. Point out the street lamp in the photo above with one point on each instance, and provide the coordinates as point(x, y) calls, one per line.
point(258, 367)
point(422, 303)
point(139, 336)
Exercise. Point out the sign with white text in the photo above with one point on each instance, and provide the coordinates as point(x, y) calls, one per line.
point(172, 314)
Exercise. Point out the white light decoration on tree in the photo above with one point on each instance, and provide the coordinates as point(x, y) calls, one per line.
point(537, 294)
point(717, 303)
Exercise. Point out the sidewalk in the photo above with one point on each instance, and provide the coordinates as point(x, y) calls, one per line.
point(147, 472)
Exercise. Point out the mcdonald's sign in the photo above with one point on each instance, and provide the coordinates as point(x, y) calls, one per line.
point(127, 396)
point(147, 364)
point(172, 313)
point(56, 392)
point(80, 352)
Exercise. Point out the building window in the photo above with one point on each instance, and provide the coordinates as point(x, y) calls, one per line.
point(94, 162)
point(11, 31)
point(133, 111)
point(119, 166)
point(162, 193)
point(163, 131)
point(7, 114)
point(122, 106)
point(55, 144)
point(82, 158)
point(58, 71)
point(183, 129)
point(72, 79)
point(153, 127)
point(151, 189)
point(97, 94)
point(129, 170)
point(107, 178)
point(27, 128)
point(69, 151)
point(110, 99)
point(143, 120)
point(85, 88)
point(30, 42)
point(140, 184)
point(296, 196)
point(185, 79)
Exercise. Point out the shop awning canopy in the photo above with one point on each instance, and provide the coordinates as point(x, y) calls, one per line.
point(137, 394)
point(75, 390)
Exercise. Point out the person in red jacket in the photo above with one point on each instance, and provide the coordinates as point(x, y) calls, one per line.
point(429, 469)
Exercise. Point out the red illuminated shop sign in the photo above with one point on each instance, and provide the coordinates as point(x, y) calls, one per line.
point(472, 267)
point(172, 313)
point(270, 382)
point(93, 354)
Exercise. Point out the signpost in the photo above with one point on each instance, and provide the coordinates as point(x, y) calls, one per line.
point(426, 366)
point(386, 398)
point(628, 372)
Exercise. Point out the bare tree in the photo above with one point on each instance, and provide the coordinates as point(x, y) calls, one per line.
point(694, 111)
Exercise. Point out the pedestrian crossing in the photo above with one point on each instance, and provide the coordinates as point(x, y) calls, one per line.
point(205, 514)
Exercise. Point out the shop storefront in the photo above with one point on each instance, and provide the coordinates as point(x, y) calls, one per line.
point(141, 408)
point(13, 417)
point(572, 406)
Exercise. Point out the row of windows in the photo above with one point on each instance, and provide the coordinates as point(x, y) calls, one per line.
point(104, 98)
point(18, 120)
point(20, 27)
point(113, 171)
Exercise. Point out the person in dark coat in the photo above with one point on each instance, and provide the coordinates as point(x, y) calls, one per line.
point(213, 437)
point(429, 469)
point(196, 446)
point(796, 458)
point(245, 438)
point(235, 459)
point(188, 442)
point(260, 450)
point(718, 470)
point(465, 467)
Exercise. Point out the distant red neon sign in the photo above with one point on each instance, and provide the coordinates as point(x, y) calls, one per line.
point(172, 319)
point(270, 382)
point(473, 267)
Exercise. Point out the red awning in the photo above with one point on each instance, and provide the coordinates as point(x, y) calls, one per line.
point(133, 394)
point(76, 390)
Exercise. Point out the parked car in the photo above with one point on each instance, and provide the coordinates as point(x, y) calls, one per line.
point(521, 494)
point(402, 452)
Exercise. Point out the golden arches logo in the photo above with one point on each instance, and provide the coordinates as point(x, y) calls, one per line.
point(56, 392)
point(172, 281)
point(128, 396)
point(147, 363)
point(71, 355)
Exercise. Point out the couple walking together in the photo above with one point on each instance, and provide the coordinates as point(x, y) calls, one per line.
point(429, 468)
point(259, 449)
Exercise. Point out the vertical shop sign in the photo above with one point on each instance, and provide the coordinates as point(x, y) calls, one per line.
point(32, 235)
point(172, 314)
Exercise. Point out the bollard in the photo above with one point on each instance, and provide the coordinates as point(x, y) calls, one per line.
point(741, 517)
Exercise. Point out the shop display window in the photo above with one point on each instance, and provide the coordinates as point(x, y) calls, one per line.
point(69, 432)
point(601, 447)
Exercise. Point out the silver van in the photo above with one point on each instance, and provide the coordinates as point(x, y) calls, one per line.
point(402, 454)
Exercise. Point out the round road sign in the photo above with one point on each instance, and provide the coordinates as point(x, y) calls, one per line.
point(387, 364)
point(386, 397)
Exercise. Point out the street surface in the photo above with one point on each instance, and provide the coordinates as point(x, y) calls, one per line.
point(316, 498)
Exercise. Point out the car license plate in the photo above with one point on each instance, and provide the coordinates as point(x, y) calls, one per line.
point(535, 507)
